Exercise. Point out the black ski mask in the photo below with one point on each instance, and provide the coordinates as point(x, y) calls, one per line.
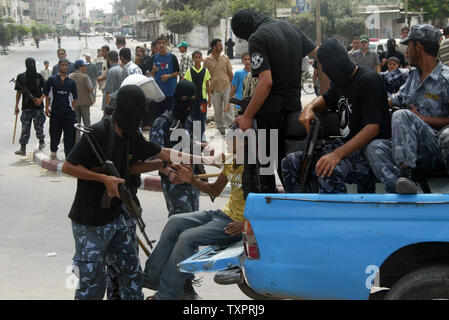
point(31, 76)
point(183, 108)
point(129, 110)
point(245, 22)
point(391, 48)
point(336, 63)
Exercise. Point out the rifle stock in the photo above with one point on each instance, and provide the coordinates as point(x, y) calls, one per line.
point(309, 154)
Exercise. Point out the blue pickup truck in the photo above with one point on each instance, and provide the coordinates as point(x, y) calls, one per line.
point(311, 246)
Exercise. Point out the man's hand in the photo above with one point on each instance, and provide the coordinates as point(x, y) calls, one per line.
point(227, 108)
point(234, 229)
point(111, 184)
point(326, 165)
point(155, 69)
point(209, 103)
point(174, 178)
point(183, 172)
point(47, 112)
point(244, 122)
point(16, 110)
point(165, 77)
point(37, 102)
point(306, 116)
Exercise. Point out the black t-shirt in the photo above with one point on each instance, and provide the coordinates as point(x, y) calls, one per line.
point(86, 208)
point(362, 102)
point(36, 90)
point(279, 46)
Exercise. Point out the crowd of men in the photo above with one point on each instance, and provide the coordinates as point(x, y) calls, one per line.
point(386, 134)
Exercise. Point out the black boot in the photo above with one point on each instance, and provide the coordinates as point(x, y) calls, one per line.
point(42, 144)
point(188, 290)
point(406, 184)
point(22, 151)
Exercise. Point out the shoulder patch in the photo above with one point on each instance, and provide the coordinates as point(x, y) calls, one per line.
point(256, 60)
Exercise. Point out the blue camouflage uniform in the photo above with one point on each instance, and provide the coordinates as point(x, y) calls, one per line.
point(414, 143)
point(28, 116)
point(179, 198)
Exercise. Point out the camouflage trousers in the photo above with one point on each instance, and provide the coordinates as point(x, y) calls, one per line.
point(36, 116)
point(444, 146)
point(351, 170)
point(181, 198)
point(414, 144)
point(112, 244)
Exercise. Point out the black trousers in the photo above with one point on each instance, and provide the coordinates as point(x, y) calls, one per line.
point(63, 123)
point(253, 181)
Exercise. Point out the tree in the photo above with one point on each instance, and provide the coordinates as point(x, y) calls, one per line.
point(212, 15)
point(150, 7)
point(435, 11)
point(181, 21)
point(5, 37)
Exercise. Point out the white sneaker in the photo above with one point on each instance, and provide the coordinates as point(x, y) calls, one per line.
point(53, 155)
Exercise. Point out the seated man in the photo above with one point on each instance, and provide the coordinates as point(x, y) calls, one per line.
point(184, 233)
point(359, 96)
point(415, 143)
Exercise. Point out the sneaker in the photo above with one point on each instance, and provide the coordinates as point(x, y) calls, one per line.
point(42, 145)
point(406, 184)
point(53, 155)
point(188, 290)
point(21, 151)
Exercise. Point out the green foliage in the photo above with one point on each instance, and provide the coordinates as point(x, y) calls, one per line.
point(435, 10)
point(181, 21)
point(41, 29)
point(10, 20)
point(5, 35)
point(350, 26)
point(265, 7)
point(212, 14)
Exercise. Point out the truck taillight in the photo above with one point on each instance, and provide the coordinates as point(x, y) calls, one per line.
point(249, 242)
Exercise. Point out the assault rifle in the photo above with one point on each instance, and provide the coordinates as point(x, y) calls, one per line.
point(309, 157)
point(24, 89)
point(126, 196)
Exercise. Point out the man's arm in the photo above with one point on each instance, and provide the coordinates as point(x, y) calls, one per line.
point(308, 113)
point(147, 166)
point(18, 96)
point(232, 94)
point(324, 80)
point(436, 123)
point(326, 165)
point(111, 183)
point(261, 93)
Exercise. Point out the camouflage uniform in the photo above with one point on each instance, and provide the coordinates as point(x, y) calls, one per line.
point(115, 244)
point(444, 146)
point(179, 198)
point(414, 143)
point(37, 116)
point(350, 170)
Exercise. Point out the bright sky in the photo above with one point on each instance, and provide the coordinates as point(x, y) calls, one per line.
point(99, 4)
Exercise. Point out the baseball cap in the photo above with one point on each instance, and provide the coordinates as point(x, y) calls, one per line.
point(425, 32)
point(183, 44)
point(80, 63)
point(364, 38)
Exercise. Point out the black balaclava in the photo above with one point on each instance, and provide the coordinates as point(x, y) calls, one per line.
point(245, 22)
point(182, 109)
point(31, 76)
point(391, 48)
point(129, 109)
point(336, 63)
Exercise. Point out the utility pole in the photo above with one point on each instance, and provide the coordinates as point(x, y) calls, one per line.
point(318, 22)
point(226, 27)
point(406, 12)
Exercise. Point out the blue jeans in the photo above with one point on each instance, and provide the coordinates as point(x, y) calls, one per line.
point(180, 239)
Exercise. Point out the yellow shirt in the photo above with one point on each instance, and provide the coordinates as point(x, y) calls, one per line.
point(188, 77)
point(236, 204)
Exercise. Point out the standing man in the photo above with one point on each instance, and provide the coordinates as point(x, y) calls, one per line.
point(220, 69)
point(443, 54)
point(237, 81)
point(404, 34)
point(165, 71)
point(186, 60)
point(32, 109)
point(84, 89)
point(114, 80)
point(277, 48)
point(62, 54)
point(355, 45)
point(60, 92)
point(121, 43)
point(92, 72)
point(365, 57)
point(230, 48)
point(129, 66)
point(415, 141)
point(104, 73)
point(46, 72)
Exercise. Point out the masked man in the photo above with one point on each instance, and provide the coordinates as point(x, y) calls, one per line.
point(32, 109)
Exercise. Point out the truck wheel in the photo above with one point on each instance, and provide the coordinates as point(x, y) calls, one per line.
point(428, 283)
point(249, 292)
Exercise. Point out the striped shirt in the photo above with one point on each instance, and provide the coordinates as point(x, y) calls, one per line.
point(116, 75)
point(185, 63)
point(443, 54)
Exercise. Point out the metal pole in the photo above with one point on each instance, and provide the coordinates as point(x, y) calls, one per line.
point(318, 22)
point(406, 12)
point(226, 27)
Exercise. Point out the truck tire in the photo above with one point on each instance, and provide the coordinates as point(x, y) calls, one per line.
point(428, 283)
point(250, 293)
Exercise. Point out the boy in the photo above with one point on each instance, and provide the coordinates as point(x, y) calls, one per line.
point(237, 82)
point(394, 77)
point(46, 72)
point(201, 78)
